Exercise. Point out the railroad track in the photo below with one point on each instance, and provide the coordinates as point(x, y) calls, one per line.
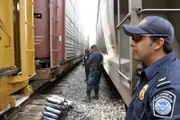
point(110, 106)
point(23, 102)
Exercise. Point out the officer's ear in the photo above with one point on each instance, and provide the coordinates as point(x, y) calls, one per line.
point(159, 43)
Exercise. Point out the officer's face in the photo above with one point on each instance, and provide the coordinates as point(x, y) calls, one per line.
point(142, 48)
point(93, 49)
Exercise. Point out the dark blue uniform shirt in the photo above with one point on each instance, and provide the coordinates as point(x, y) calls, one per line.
point(157, 95)
point(94, 61)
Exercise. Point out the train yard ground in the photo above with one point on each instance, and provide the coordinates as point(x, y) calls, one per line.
point(72, 87)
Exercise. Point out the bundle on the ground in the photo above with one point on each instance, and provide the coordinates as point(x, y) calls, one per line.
point(56, 108)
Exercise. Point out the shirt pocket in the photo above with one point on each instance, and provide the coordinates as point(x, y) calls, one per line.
point(139, 109)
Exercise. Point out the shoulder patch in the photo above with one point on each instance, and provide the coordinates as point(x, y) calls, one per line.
point(163, 104)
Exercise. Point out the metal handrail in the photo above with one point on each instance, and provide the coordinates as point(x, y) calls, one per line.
point(123, 75)
point(125, 18)
point(140, 10)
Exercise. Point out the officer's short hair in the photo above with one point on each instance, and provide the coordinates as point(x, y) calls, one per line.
point(94, 46)
point(86, 50)
point(166, 47)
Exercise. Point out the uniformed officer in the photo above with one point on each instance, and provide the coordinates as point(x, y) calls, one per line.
point(94, 63)
point(157, 95)
point(86, 57)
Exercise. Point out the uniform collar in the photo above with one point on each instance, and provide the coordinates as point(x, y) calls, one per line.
point(155, 67)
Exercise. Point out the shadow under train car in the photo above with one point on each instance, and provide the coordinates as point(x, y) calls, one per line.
point(59, 39)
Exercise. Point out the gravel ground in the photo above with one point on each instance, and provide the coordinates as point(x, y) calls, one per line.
point(110, 105)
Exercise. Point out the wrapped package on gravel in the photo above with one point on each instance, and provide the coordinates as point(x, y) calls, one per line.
point(58, 107)
point(51, 115)
point(54, 100)
point(53, 105)
point(68, 102)
point(48, 118)
point(53, 110)
point(57, 97)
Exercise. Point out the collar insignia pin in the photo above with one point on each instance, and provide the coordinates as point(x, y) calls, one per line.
point(142, 92)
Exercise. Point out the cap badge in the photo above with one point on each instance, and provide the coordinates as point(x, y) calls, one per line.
point(143, 21)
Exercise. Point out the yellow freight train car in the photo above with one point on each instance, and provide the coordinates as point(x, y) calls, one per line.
point(16, 49)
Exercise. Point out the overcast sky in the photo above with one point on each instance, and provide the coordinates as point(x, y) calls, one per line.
point(88, 11)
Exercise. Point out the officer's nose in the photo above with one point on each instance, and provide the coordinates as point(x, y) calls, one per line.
point(132, 43)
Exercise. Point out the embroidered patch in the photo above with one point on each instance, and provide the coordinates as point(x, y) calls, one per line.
point(163, 104)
